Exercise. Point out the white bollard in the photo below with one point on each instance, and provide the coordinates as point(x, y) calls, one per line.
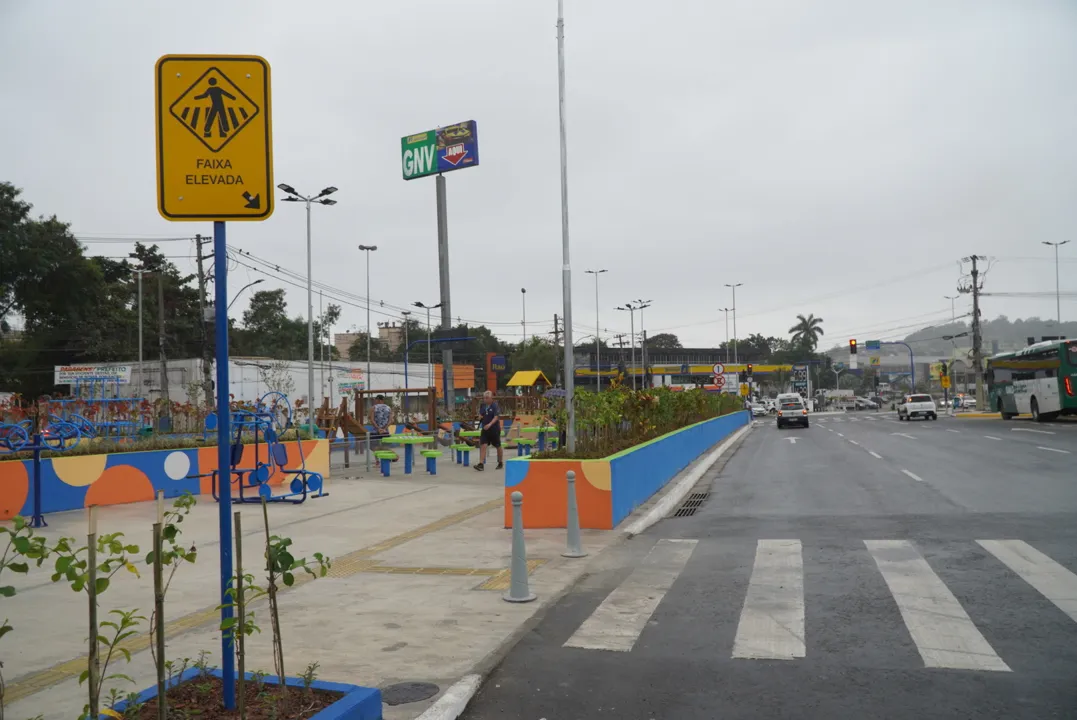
point(518, 590)
point(573, 521)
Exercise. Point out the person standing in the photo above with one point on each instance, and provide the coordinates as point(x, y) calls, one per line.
point(381, 416)
point(490, 420)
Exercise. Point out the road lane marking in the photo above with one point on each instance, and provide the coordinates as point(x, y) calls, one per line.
point(942, 630)
point(914, 476)
point(616, 624)
point(792, 440)
point(904, 435)
point(772, 621)
point(1050, 579)
point(1041, 432)
point(1041, 447)
point(840, 435)
point(951, 430)
point(992, 437)
point(854, 442)
point(875, 455)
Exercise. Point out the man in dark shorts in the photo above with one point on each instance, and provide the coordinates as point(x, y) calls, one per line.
point(490, 420)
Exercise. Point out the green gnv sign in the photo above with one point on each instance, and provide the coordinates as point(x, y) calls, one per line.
point(438, 151)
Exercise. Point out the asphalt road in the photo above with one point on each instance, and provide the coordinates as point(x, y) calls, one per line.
point(870, 569)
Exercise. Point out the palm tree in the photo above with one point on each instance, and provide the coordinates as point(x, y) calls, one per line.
point(807, 331)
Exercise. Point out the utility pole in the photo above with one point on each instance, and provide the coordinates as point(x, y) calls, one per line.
point(207, 355)
point(977, 338)
point(726, 311)
point(321, 348)
point(141, 366)
point(643, 352)
point(166, 404)
point(556, 345)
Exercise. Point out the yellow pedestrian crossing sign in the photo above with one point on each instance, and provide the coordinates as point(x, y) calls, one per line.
point(214, 138)
point(214, 109)
point(875, 359)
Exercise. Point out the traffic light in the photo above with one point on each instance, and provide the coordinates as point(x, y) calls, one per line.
point(852, 347)
point(942, 370)
point(748, 370)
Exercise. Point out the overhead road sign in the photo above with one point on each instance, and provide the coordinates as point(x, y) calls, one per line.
point(439, 151)
point(214, 138)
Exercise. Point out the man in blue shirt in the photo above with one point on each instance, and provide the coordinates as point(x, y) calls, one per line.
point(490, 419)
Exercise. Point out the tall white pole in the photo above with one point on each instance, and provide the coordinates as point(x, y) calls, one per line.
point(429, 358)
point(369, 380)
point(523, 304)
point(736, 359)
point(141, 368)
point(632, 344)
point(321, 346)
point(598, 340)
point(566, 271)
point(310, 331)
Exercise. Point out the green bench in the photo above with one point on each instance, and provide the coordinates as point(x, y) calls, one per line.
point(463, 453)
point(524, 445)
point(431, 460)
point(385, 457)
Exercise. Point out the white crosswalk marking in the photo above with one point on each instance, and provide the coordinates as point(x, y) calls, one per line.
point(1053, 581)
point(772, 621)
point(616, 624)
point(942, 630)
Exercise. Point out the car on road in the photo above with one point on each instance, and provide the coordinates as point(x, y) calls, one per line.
point(791, 411)
point(922, 406)
point(759, 410)
point(866, 404)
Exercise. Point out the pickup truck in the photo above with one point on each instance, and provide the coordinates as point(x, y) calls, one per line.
point(917, 406)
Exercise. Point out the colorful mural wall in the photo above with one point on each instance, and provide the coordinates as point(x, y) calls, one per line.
point(608, 490)
point(70, 483)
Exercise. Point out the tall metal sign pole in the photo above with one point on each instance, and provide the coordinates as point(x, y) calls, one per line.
point(435, 152)
point(566, 269)
point(215, 163)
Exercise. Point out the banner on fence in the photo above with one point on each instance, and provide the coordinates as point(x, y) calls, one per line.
point(69, 374)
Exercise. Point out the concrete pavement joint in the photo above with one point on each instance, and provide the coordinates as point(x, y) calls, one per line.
point(344, 566)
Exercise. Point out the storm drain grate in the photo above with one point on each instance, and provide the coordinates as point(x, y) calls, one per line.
point(693, 503)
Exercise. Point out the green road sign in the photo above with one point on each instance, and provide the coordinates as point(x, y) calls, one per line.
point(872, 344)
point(449, 148)
point(419, 154)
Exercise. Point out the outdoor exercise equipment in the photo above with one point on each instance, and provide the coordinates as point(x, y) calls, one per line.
point(57, 436)
point(270, 417)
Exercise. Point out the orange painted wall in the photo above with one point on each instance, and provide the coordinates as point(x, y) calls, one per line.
point(545, 491)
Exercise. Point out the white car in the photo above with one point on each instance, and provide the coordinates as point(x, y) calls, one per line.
point(759, 410)
point(921, 406)
point(791, 411)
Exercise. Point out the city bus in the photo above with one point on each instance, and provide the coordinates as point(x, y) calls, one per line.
point(1039, 380)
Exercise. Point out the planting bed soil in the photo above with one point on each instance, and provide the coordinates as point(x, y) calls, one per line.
point(201, 698)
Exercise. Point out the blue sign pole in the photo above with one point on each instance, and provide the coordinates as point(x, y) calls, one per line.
point(224, 465)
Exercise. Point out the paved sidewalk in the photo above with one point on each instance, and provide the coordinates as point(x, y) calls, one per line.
point(414, 594)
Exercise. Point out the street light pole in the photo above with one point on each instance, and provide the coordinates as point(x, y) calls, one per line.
point(726, 311)
point(236, 296)
point(523, 302)
point(953, 309)
point(368, 249)
point(640, 305)
point(321, 198)
point(734, 287)
point(631, 308)
point(429, 356)
point(1058, 294)
point(141, 368)
point(405, 313)
point(598, 335)
point(566, 263)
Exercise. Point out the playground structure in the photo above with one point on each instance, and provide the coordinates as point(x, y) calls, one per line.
point(265, 423)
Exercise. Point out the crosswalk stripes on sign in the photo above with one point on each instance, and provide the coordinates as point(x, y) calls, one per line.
point(214, 109)
point(771, 623)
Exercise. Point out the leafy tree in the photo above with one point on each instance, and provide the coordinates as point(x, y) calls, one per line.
point(807, 331)
point(663, 341)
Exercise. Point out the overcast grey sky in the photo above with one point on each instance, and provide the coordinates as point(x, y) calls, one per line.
point(836, 157)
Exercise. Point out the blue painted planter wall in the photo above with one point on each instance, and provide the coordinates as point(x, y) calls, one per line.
point(358, 703)
point(638, 474)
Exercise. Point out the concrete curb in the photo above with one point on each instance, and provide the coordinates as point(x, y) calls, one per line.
point(453, 701)
point(684, 486)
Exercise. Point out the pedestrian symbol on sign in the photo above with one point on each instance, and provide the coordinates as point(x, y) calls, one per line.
point(214, 109)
